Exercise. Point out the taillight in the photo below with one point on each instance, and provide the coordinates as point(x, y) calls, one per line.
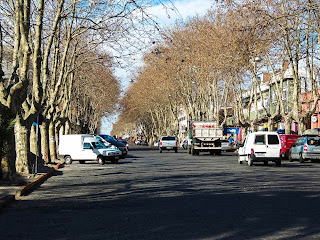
point(176, 143)
point(160, 143)
point(305, 148)
point(252, 151)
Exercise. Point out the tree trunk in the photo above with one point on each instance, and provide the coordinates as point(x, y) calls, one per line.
point(288, 121)
point(270, 124)
point(45, 142)
point(67, 128)
point(34, 143)
point(22, 136)
point(52, 142)
point(7, 158)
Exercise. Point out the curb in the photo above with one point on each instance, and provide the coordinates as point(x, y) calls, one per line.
point(30, 187)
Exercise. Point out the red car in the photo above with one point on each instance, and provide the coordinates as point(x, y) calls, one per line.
point(286, 143)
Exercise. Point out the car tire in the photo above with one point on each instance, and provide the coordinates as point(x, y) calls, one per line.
point(176, 150)
point(265, 163)
point(100, 160)
point(218, 152)
point(278, 163)
point(250, 162)
point(239, 161)
point(290, 158)
point(160, 150)
point(189, 150)
point(301, 160)
point(68, 160)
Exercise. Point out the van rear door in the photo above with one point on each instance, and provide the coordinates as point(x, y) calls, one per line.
point(273, 146)
point(260, 147)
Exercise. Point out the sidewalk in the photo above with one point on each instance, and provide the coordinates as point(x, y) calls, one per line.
point(10, 192)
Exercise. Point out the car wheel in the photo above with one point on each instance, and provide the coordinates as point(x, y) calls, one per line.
point(239, 161)
point(189, 150)
point(290, 158)
point(82, 161)
point(68, 160)
point(250, 162)
point(100, 160)
point(197, 152)
point(160, 150)
point(218, 152)
point(176, 150)
point(265, 163)
point(301, 160)
point(278, 163)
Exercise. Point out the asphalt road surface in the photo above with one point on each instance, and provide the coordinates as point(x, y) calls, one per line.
point(152, 195)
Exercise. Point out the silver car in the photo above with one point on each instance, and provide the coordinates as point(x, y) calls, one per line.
point(226, 145)
point(305, 148)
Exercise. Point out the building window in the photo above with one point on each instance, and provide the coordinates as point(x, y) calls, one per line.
point(274, 97)
point(284, 94)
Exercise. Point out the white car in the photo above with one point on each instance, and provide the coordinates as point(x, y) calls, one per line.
point(260, 147)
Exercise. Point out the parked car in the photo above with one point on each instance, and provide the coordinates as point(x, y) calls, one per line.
point(112, 141)
point(155, 143)
point(138, 142)
point(184, 144)
point(286, 143)
point(260, 147)
point(305, 148)
point(226, 145)
point(125, 143)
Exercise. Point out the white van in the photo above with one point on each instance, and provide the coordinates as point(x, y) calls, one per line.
point(86, 147)
point(260, 147)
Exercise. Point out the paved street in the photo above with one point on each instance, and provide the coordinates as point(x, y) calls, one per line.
point(152, 195)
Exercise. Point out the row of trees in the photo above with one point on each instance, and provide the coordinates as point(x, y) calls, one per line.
point(206, 64)
point(56, 62)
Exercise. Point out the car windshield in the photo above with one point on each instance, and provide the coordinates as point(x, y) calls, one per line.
point(108, 138)
point(98, 145)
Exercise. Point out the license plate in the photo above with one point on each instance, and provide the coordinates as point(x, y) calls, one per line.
point(260, 154)
point(169, 147)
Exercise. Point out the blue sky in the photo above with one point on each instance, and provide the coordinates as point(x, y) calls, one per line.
point(184, 9)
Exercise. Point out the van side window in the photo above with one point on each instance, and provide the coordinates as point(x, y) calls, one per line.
point(86, 145)
point(273, 139)
point(259, 139)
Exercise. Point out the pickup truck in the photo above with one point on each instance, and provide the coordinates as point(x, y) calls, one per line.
point(168, 143)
